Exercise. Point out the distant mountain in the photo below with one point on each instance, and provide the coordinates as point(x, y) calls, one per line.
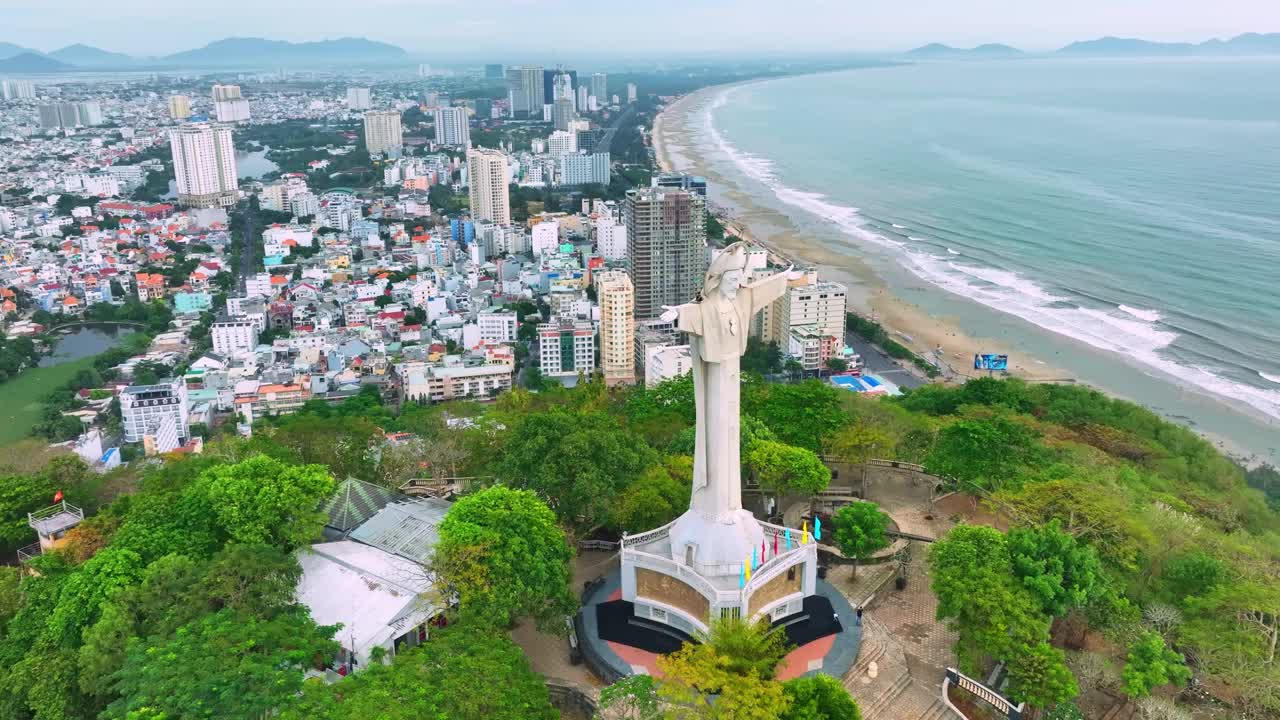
point(257, 51)
point(8, 50)
point(990, 51)
point(86, 56)
point(1247, 44)
point(1120, 47)
point(29, 62)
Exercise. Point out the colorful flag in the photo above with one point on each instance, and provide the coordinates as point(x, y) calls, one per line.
point(788, 538)
point(57, 497)
point(817, 528)
point(775, 546)
point(754, 564)
point(742, 577)
point(804, 533)
point(747, 565)
point(762, 549)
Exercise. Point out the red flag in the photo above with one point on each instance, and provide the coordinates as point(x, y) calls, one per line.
point(57, 497)
point(775, 545)
point(762, 550)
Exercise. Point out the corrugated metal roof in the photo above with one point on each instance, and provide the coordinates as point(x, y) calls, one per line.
point(408, 528)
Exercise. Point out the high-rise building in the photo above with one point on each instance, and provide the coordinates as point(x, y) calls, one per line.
point(489, 177)
point(599, 86)
point(667, 246)
point(232, 336)
point(617, 327)
point(582, 168)
point(17, 90)
point(525, 89)
point(611, 238)
point(493, 71)
point(631, 92)
point(548, 83)
point(142, 407)
point(566, 347)
point(562, 142)
point(179, 107)
point(358, 98)
point(452, 126)
point(204, 165)
point(819, 304)
point(582, 98)
point(70, 115)
point(225, 92)
point(229, 105)
point(382, 131)
point(562, 113)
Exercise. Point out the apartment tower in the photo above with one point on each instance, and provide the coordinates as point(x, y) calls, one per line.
point(667, 246)
point(204, 165)
point(489, 177)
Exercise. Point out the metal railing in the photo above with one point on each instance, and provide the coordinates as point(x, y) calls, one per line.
point(54, 511)
point(30, 552)
point(682, 572)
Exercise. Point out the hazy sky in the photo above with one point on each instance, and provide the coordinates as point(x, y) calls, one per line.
point(509, 30)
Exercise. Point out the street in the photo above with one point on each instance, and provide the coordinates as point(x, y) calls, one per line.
point(876, 362)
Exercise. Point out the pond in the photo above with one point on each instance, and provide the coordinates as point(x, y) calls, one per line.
point(85, 341)
point(253, 165)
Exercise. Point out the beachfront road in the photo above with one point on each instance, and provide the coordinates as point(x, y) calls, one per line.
point(876, 362)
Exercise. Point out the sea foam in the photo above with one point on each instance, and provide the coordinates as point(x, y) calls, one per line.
point(1132, 332)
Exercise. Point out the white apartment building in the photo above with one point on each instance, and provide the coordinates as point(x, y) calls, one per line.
point(142, 407)
point(232, 336)
point(496, 325)
point(611, 239)
point(582, 168)
point(599, 86)
point(631, 92)
point(437, 383)
point(617, 299)
point(562, 142)
point(452, 126)
point(818, 303)
point(17, 90)
point(546, 237)
point(667, 362)
point(358, 98)
point(489, 177)
point(382, 131)
point(204, 164)
point(228, 105)
point(566, 347)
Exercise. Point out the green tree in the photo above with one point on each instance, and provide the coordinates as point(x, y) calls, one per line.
point(819, 697)
point(1061, 572)
point(704, 681)
point(804, 414)
point(1192, 575)
point(634, 697)
point(986, 452)
point(1038, 675)
point(342, 443)
point(461, 673)
point(501, 551)
point(859, 530)
point(577, 462)
point(223, 665)
point(262, 500)
point(748, 648)
point(656, 498)
point(787, 470)
point(1150, 665)
point(984, 604)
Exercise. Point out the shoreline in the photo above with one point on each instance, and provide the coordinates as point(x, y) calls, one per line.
point(904, 321)
point(869, 293)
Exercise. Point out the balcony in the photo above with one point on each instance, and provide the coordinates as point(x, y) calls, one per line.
point(55, 519)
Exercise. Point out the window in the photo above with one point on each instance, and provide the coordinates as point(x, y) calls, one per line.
point(689, 551)
point(730, 613)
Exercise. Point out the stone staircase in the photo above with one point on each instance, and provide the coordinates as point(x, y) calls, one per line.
point(893, 694)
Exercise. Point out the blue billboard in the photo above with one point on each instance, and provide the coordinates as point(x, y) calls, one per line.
point(990, 362)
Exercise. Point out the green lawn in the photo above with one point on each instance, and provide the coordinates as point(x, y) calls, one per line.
point(21, 399)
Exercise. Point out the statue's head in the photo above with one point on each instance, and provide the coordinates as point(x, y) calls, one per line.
point(727, 272)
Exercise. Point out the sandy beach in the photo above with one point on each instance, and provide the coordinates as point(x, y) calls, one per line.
point(868, 295)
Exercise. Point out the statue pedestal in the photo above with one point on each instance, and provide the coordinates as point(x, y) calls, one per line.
point(690, 571)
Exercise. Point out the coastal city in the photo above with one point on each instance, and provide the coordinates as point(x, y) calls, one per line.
point(338, 383)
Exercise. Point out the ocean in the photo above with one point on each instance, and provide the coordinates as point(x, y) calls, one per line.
point(1118, 219)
